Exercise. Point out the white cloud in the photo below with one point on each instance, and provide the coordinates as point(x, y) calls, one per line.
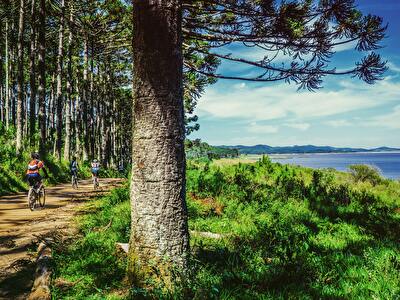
point(299, 126)
point(338, 123)
point(393, 67)
point(283, 101)
point(256, 128)
point(390, 120)
point(344, 47)
point(241, 85)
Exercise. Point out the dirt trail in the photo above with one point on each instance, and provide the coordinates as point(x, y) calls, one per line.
point(21, 229)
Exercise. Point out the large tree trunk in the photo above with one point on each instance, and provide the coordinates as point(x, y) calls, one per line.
point(59, 103)
point(32, 78)
point(159, 235)
point(67, 146)
point(42, 76)
point(20, 101)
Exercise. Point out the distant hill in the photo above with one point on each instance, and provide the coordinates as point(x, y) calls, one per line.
point(265, 149)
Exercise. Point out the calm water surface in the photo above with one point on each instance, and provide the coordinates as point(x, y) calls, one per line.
point(387, 162)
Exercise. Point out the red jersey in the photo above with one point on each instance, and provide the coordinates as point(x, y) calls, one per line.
point(34, 166)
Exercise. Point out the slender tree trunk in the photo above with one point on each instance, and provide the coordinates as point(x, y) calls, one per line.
point(20, 101)
point(32, 77)
point(7, 85)
point(59, 82)
point(42, 76)
point(26, 105)
point(67, 146)
point(14, 92)
point(92, 120)
point(159, 232)
point(78, 119)
point(52, 106)
point(105, 124)
point(85, 101)
point(1, 102)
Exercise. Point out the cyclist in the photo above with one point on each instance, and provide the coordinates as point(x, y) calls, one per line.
point(34, 166)
point(73, 167)
point(95, 169)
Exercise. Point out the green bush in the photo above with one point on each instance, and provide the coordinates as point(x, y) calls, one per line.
point(365, 173)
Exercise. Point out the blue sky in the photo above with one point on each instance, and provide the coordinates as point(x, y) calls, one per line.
point(346, 112)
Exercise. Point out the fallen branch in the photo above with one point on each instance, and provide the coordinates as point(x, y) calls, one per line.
point(41, 285)
point(123, 247)
point(207, 234)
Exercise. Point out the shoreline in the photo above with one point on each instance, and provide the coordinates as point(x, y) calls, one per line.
point(322, 153)
point(336, 161)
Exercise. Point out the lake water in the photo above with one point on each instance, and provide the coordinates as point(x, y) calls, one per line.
point(388, 163)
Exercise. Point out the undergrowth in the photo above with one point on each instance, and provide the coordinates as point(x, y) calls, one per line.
point(288, 233)
point(13, 167)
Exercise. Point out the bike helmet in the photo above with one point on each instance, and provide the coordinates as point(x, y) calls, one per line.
point(35, 155)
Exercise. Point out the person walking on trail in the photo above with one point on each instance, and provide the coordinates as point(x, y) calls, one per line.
point(73, 167)
point(95, 168)
point(34, 166)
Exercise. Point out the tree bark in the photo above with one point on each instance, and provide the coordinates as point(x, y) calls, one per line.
point(59, 82)
point(20, 101)
point(67, 146)
point(84, 100)
point(42, 76)
point(78, 119)
point(159, 233)
point(12, 62)
point(32, 77)
point(7, 85)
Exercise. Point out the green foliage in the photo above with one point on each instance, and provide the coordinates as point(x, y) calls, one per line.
point(92, 265)
point(197, 149)
point(365, 173)
point(13, 167)
point(287, 233)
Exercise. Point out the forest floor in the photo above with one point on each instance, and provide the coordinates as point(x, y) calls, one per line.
point(21, 230)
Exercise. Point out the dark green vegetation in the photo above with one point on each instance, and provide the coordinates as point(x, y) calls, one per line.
point(265, 149)
point(287, 233)
point(198, 149)
point(13, 167)
point(365, 173)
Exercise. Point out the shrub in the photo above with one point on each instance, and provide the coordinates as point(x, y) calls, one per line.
point(365, 173)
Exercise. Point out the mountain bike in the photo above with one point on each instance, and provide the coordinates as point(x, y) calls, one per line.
point(36, 195)
point(74, 180)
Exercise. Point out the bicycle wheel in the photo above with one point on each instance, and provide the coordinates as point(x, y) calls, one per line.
point(31, 199)
point(42, 196)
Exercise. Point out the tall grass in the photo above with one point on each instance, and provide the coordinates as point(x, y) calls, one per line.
point(287, 233)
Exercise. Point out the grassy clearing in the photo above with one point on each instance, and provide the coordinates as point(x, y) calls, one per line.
point(289, 233)
point(90, 267)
